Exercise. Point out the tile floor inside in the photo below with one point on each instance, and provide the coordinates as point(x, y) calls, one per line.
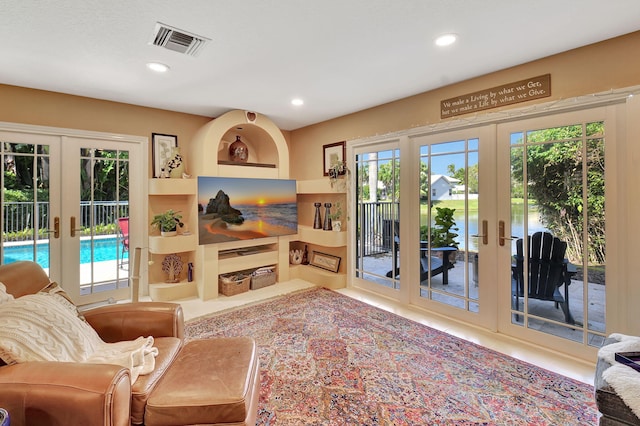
point(549, 360)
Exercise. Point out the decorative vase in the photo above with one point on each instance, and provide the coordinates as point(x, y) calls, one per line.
point(305, 256)
point(295, 257)
point(169, 233)
point(238, 151)
point(327, 218)
point(175, 164)
point(317, 221)
point(337, 225)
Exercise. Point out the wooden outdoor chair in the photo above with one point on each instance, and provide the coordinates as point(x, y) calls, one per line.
point(433, 263)
point(123, 223)
point(548, 270)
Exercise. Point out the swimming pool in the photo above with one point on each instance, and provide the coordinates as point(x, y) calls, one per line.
point(103, 249)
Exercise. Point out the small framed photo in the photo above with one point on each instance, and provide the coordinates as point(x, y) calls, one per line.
point(333, 153)
point(325, 261)
point(161, 147)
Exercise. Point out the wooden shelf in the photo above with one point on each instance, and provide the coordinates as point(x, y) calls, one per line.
point(177, 244)
point(233, 163)
point(319, 276)
point(317, 186)
point(322, 238)
point(247, 261)
point(163, 292)
point(173, 186)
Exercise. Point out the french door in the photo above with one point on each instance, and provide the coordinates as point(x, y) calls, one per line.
point(442, 230)
point(62, 198)
point(553, 181)
point(454, 204)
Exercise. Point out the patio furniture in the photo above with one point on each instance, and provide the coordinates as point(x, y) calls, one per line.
point(432, 263)
point(548, 270)
point(123, 223)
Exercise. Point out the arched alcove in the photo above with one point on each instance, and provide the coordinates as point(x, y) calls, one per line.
point(268, 149)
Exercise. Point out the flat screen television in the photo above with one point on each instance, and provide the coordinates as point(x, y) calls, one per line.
point(232, 209)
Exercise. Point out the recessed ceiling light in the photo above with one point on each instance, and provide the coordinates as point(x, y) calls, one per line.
point(297, 102)
point(157, 67)
point(446, 39)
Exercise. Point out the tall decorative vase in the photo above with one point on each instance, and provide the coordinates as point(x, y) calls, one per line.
point(175, 164)
point(317, 221)
point(327, 218)
point(238, 151)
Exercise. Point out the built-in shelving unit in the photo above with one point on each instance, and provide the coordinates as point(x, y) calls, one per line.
point(268, 158)
point(331, 242)
point(268, 153)
point(179, 195)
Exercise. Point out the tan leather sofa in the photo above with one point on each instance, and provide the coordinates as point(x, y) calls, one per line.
point(59, 393)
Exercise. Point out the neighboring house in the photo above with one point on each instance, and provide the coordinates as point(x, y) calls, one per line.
point(442, 187)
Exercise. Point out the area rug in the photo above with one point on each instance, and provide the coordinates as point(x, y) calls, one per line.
point(328, 359)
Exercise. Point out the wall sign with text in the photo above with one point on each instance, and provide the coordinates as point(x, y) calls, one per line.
point(507, 94)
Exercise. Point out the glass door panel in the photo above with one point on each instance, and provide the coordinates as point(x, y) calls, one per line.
point(557, 228)
point(96, 203)
point(378, 218)
point(30, 210)
point(449, 195)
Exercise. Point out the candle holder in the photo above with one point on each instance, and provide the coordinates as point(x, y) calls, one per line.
point(327, 217)
point(317, 221)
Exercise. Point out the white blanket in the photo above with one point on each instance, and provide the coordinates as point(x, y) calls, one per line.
point(623, 379)
point(40, 327)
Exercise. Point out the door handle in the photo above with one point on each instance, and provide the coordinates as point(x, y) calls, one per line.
point(73, 226)
point(56, 228)
point(485, 233)
point(501, 237)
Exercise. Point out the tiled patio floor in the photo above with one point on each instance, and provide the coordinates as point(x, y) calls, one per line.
point(453, 294)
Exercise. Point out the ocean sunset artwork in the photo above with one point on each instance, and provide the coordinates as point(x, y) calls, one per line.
point(232, 209)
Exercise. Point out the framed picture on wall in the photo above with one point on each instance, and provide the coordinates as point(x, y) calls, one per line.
point(161, 146)
point(333, 153)
point(325, 261)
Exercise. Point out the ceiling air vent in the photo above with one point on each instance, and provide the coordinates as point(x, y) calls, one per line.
point(177, 40)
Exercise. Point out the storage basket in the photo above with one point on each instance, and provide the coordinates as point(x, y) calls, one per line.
point(230, 285)
point(263, 277)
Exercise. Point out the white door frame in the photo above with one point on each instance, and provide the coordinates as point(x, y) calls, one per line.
point(138, 171)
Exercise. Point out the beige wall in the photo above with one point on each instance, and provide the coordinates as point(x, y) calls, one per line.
point(42, 108)
point(592, 69)
point(597, 68)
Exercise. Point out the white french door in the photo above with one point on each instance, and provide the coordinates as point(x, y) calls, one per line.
point(454, 204)
point(500, 182)
point(552, 179)
point(63, 192)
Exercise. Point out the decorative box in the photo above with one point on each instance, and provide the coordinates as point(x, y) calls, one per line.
point(263, 277)
point(233, 284)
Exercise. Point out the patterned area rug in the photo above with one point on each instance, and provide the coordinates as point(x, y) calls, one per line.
point(327, 359)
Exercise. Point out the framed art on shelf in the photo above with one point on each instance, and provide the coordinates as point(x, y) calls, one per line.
point(161, 146)
point(333, 153)
point(325, 261)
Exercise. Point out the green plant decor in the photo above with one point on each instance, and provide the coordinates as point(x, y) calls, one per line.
point(167, 221)
point(442, 232)
point(337, 213)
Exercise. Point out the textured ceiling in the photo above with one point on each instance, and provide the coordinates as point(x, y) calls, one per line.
point(340, 56)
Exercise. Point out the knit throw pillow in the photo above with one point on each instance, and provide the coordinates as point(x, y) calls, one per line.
point(39, 327)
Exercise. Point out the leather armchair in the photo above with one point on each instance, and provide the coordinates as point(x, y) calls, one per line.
point(58, 393)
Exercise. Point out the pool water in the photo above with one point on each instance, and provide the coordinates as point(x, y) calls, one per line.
point(103, 249)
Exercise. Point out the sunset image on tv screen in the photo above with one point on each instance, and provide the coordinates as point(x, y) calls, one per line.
point(231, 209)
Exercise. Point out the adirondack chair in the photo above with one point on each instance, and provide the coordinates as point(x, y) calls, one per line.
point(433, 263)
point(123, 223)
point(548, 270)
